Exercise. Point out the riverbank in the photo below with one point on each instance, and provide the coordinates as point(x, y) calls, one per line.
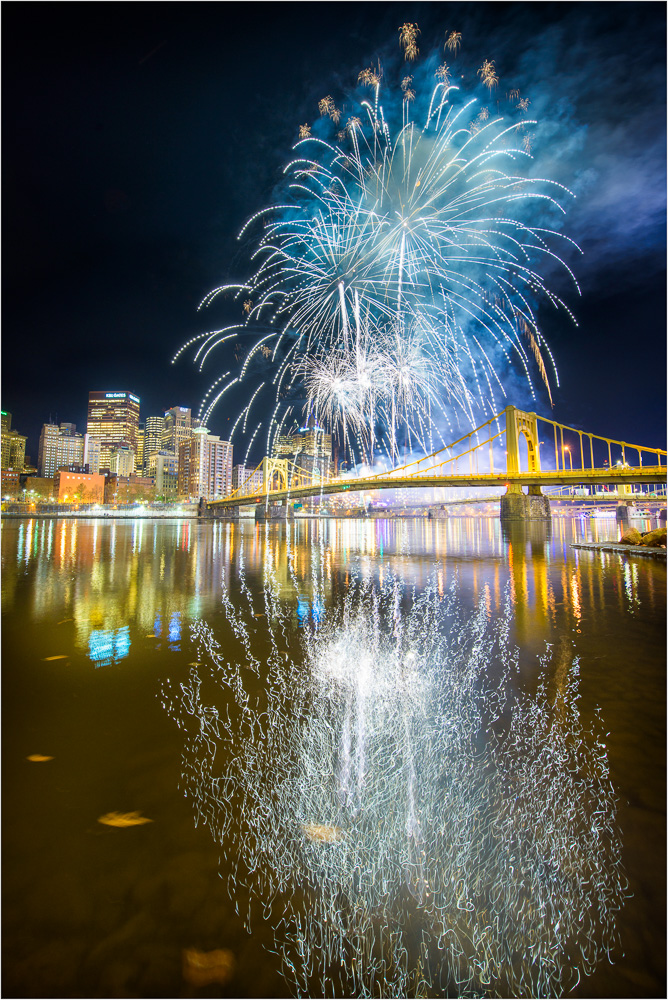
point(638, 550)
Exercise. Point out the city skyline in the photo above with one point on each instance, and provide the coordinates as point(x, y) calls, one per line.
point(145, 153)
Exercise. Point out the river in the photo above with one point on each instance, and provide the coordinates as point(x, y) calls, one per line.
point(404, 756)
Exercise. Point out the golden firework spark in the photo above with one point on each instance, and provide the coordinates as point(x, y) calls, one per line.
point(443, 74)
point(408, 33)
point(454, 41)
point(248, 305)
point(523, 104)
point(533, 343)
point(487, 74)
point(369, 77)
point(326, 106)
point(514, 95)
point(304, 131)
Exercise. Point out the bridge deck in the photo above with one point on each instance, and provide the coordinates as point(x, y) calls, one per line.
point(575, 477)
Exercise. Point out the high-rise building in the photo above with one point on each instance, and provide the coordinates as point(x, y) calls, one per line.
point(245, 476)
point(48, 450)
point(13, 445)
point(139, 458)
point(59, 446)
point(91, 454)
point(208, 461)
point(113, 420)
point(310, 449)
point(163, 467)
point(154, 429)
point(122, 460)
point(177, 428)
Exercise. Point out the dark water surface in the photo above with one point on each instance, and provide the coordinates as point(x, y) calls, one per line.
point(96, 623)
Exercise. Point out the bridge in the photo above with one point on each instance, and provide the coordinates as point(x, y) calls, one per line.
point(504, 452)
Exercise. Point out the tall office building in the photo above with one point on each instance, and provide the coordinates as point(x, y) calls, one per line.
point(154, 428)
point(48, 450)
point(163, 468)
point(208, 462)
point(122, 460)
point(13, 445)
point(310, 449)
point(91, 454)
point(247, 477)
point(113, 420)
point(177, 427)
point(140, 447)
point(59, 446)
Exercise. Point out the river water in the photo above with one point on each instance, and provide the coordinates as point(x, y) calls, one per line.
point(401, 757)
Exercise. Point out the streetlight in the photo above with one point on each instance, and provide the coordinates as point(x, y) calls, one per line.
point(570, 457)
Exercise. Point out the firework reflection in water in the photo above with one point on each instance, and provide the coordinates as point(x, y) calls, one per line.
point(420, 827)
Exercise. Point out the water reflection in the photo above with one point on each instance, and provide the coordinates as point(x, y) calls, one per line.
point(151, 577)
point(107, 647)
point(427, 826)
point(286, 702)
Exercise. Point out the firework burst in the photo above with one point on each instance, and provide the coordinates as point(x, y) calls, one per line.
point(407, 243)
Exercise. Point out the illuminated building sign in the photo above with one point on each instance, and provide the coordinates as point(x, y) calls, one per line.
point(121, 395)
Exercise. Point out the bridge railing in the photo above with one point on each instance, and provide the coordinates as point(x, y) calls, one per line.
point(565, 454)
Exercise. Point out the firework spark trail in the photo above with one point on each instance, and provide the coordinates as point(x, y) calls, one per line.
point(384, 232)
point(395, 788)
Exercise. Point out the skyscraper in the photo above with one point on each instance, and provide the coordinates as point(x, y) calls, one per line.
point(122, 460)
point(310, 449)
point(247, 477)
point(177, 428)
point(13, 445)
point(113, 419)
point(208, 461)
point(92, 454)
point(48, 450)
point(154, 428)
point(59, 446)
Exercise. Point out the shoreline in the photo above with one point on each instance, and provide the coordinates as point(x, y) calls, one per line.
point(641, 550)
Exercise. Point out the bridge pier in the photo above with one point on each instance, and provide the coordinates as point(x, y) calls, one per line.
point(273, 512)
point(519, 506)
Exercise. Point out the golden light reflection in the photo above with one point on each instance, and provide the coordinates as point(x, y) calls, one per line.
point(120, 581)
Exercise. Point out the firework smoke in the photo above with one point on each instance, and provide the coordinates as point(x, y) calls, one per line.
point(401, 275)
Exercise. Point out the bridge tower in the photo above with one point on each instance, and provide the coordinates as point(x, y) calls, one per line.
point(271, 469)
point(517, 505)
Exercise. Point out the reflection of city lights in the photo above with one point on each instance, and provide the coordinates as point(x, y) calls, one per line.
point(398, 790)
point(174, 633)
point(108, 646)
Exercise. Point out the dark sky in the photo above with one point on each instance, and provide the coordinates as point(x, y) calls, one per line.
point(138, 138)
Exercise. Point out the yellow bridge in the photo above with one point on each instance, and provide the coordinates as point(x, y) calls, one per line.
point(580, 458)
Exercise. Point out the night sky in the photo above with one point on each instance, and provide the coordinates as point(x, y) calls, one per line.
point(138, 138)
